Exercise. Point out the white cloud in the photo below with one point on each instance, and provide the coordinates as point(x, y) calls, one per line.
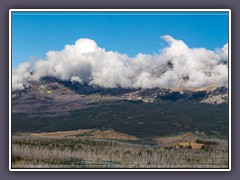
point(76, 79)
point(21, 76)
point(85, 62)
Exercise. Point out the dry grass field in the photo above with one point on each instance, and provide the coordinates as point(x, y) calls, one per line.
point(89, 133)
point(60, 134)
point(93, 148)
point(172, 139)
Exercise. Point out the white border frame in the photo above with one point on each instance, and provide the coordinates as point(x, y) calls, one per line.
point(117, 10)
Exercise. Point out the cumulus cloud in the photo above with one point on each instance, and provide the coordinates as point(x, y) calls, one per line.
point(86, 62)
point(21, 76)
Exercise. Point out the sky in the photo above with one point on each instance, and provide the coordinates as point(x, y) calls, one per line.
point(131, 33)
point(145, 50)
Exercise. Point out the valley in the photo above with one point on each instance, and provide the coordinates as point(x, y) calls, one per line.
point(64, 125)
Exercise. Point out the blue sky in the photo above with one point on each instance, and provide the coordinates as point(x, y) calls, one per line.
point(35, 33)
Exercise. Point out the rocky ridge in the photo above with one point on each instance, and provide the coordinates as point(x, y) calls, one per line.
point(52, 96)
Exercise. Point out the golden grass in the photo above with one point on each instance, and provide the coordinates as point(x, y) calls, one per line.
point(87, 133)
point(185, 140)
point(194, 145)
point(174, 139)
point(61, 134)
point(111, 134)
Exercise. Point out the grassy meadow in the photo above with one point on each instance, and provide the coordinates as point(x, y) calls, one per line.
point(110, 149)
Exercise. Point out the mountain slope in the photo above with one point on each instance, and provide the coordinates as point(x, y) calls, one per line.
point(52, 105)
point(53, 96)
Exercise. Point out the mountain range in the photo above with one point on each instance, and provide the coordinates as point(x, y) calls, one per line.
point(50, 95)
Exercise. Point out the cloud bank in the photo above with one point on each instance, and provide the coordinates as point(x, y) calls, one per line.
point(86, 62)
